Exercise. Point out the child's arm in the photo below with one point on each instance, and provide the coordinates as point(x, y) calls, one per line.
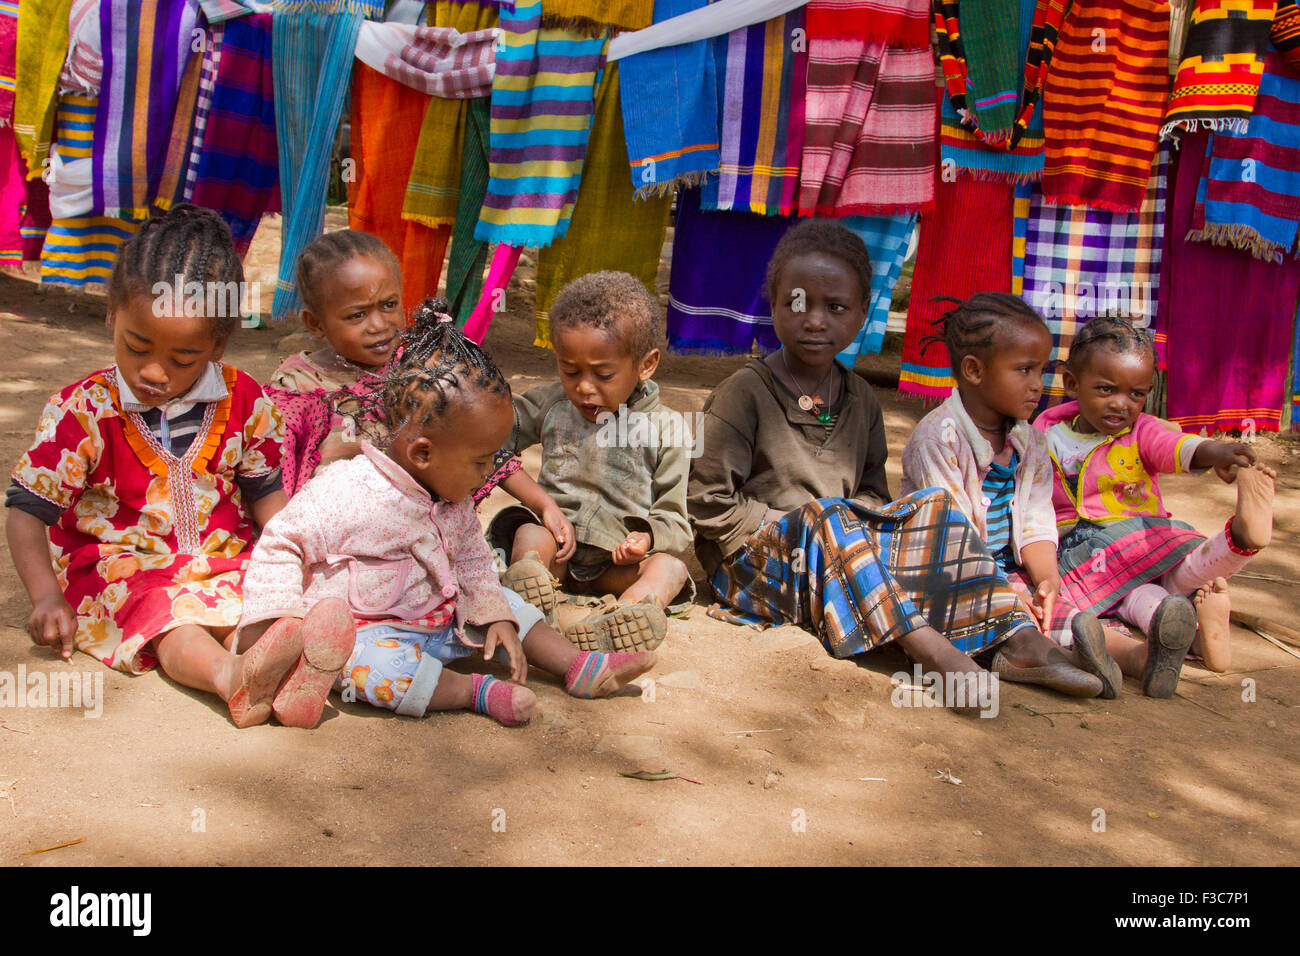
point(719, 510)
point(665, 528)
point(53, 620)
point(479, 592)
point(268, 506)
point(531, 495)
point(1223, 457)
point(1039, 561)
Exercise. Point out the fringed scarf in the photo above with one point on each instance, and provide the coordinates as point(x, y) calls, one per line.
point(670, 110)
point(871, 121)
point(1223, 59)
point(1250, 195)
point(1103, 104)
point(898, 23)
point(542, 105)
point(42, 48)
point(762, 91)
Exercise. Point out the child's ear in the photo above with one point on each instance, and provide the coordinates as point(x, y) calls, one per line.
point(646, 367)
point(971, 369)
point(420, 452)
point(313, 323)
point(1069, 382)
point(219, 349)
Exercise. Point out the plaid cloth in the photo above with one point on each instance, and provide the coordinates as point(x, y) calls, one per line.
point(1101, 564)
point(1080, 263)
point(207, 86)
point(219, 11)
point(886, 238)
point(860, 577)
point(438, 61)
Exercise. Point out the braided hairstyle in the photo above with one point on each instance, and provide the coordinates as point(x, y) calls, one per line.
point(188, 241)
point(435, 363)
point(1117, 334)
point(971, 327)
point(826, 237)
point(327, 252)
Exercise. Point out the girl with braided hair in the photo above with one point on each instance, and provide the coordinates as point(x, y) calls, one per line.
point(133, 512)
point(393, 533)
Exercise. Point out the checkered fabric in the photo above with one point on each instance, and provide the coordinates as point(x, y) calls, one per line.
point(1079, 262)
point(203, 106)
point(859, 577)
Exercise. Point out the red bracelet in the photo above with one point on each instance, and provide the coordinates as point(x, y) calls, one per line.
point(1227, 533)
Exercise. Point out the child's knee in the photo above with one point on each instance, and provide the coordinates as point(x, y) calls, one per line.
point(665, 567)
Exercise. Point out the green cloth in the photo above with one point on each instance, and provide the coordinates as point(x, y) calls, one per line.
point(469, 255)
point(42, 48)
point(990, 33)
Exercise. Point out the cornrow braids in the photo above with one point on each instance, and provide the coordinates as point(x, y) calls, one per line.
point(826, 237)
point(971, 327)
point(188, 241)
point(1118, 334)
point(435, 362)
point(327, 252)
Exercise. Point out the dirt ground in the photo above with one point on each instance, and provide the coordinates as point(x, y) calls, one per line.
point(794, 758)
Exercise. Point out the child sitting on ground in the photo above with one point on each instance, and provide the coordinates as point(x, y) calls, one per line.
point(1120, 550)
point(622, 490)
point(389, 545)
point(792, 512)
point(979, 447)
point(152, 477)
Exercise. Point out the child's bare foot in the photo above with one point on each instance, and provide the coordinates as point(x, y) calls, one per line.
point(508, 704)
point(1213, 637)
point(593, 674)
point(262, 669)
point(328, 637)
point(1252, 525)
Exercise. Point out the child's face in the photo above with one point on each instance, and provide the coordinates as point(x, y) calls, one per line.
point(819, 309)
point(361, 311)
point(597, 373)
point(160, 357)
point(1112, 390)
point(453, 457)
point(1010, 382)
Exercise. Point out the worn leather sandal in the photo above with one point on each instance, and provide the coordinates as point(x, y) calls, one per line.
point(1173, 628)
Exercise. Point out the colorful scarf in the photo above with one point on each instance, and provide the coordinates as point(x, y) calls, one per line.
point(385, 128)
point(717, 287)
point(610, 230)
point(670, 111)
point(13, 195)
point(437, 61)
point(1225, 346)
point(41, 50)
point(8, 60)
point(1295, 378)
point(220, 11)
point(1250, 198)
point(993, 96)
point(468, 255)
point(1284, 34)
point(898, 23)
point(504, 261)
point(595, 16)
point(1079, 263)
point(762, 93)
point(1104, 101)
point(542, 103)
point(36, 216)
point(964, 247)
point(312, 47)
point(871, 119)
point(886, 238)
point(203, 108)
point(238, 173)
point(1223, 59)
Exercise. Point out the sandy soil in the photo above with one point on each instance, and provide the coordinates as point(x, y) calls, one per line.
point(778, 735)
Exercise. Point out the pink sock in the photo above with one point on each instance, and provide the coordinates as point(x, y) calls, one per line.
point(587, 674)
point(1212, 559)
point(508, 704)
point(1140, 606)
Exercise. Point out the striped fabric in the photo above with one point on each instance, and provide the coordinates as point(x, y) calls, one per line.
point(670, 110)
point(1295, 378)
point(436, 61)
point(1250, 195)
point(762, 94)
point(312, 46)
point(1080, 263)
point(542, 105)
point(13, 194)
point(238, 173)
point(1284, 34)
point(75, 122)
point(886, 239)
point(8, 59)
point(898, 23)
point(147, 52)
point(1132, 552)
point(79, 253)
point(594, 16)
point(219, 11)
point(999, 488)
point(1223, 60)
point(1104, 102)
point(869, 140)
point(83, 71)
point(207, 84)
point(42, 48)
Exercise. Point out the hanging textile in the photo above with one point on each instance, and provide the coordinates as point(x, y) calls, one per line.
point(437, 61)
point(886, 238)
point(203, 106)
point(670, 111)
point(13, 190)
point(1285, 33)
point(1250, 196)
point(1225, 316)
point(964, 247)
point(1295, 378)
point(36, 218)
point(900, 23)
point(312, 47)
point(385, 127)
point(1223, 59)
point(238, 169)
point(71, 159)
point(8, 61)
point(717, 292)
point(1079, 263)
point(595, 16)
point(1104, 100)
point(504, 261)
point(220, 11)
point(762, 88)
point(42, 46)
point(468, 255)
point(871, 117)
point(700, 22)
point(542, 104)
point(610, 231)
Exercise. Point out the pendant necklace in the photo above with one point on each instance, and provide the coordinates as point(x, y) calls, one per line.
point(806, 401)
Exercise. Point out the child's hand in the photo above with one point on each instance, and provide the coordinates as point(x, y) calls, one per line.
point(632, 550)
point(561, 528)
point(1044, 601)
point(1228, 458)
point(504, 634)
point(53, 622)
